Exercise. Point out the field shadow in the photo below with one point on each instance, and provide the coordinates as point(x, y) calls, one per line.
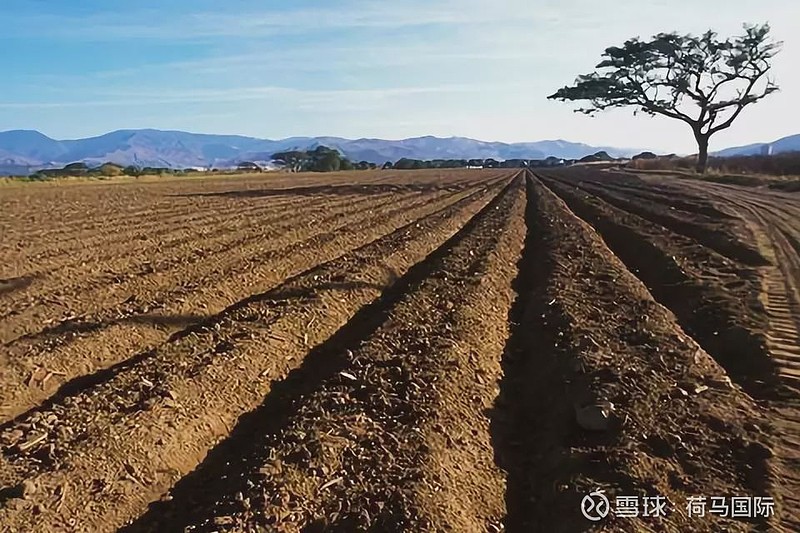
point(11, 285)
point(180, 320)
point(76, 385)
point(187, 323)
point(75, 326)
point(333, 190)
point(532, 422)
point(228, 466)
point(338, 282)
point(706, 311)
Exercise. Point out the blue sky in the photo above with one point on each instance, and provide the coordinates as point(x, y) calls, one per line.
point(357, 68)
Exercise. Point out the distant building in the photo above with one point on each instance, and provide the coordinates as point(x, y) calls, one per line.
point(766, 149)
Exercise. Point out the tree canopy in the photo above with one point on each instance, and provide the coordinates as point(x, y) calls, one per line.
point(704, 81)
point(319, 159)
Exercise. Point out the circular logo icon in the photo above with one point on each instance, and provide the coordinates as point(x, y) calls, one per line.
point(595, 506)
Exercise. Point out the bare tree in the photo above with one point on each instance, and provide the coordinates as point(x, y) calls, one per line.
point(702, 80)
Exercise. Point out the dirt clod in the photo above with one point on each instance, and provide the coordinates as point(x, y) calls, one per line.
point(28, 488)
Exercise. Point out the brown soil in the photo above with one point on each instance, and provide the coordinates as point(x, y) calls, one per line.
point(395, 351)
point(747, 317)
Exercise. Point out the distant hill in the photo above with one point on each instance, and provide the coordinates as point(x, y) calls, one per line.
point(786, 144)
point(24, 151)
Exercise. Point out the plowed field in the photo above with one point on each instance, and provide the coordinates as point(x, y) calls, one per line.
point(396, 351)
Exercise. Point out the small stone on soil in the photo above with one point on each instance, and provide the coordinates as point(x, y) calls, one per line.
point(595, 417)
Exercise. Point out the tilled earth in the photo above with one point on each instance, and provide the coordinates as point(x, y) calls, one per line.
point(396, 351)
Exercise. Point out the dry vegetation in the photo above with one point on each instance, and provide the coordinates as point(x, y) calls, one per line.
point(780, 171)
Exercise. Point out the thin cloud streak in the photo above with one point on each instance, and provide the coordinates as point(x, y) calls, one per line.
point(300, 97)
point(149, 24)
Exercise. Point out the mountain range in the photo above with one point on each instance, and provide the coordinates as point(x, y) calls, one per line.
point(25, 151)
point(786, 144)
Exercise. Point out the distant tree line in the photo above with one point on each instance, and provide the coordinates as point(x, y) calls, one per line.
point(320, 159)
point(324, 159)
point(782, 164)
point(104, 170)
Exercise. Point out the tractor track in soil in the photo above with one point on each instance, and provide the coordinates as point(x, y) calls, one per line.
point(119, 441)
point(774, 221)
point(760, 346)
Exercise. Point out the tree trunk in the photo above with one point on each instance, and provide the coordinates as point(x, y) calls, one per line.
point(702, 153)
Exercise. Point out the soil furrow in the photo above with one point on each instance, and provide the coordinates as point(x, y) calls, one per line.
point(681, 275)
point(781, 298)
point(747, 358)
point(780, 279)
point(204, 258)
point(198, 262)
point(144, 222)
point(76, 207)
point(120, 216)
point(665, 191)
point(121, 263)
point(705, 230)
point(121, 443)
point(224, 209)
point(36, 368)
point(228, 202)
point(670, 197)
point(83, 246)
point(588, 339)
point(433, 350)
point(65, 302)
point(392, 409)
